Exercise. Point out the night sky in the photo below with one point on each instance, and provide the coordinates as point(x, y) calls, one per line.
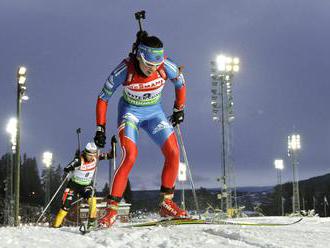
point(70, 47)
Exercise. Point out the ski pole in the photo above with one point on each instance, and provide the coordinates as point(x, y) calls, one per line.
point(113, 148)
point(43, 212)
point(78, 131)
point(75, 202)
point(188, 167)
point(95, 172)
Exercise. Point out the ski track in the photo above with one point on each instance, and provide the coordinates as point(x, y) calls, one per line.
point(311, 232)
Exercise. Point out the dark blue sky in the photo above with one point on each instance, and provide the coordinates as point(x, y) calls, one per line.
point(70, 47)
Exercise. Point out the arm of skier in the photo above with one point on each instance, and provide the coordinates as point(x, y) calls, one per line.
point(174, 73)
point(116, 78)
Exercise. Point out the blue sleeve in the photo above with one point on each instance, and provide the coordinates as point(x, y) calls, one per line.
point(173, 73)
point(116, 78)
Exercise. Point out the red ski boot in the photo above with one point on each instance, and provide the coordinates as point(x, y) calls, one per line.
point(168, 207)
point(111, 213)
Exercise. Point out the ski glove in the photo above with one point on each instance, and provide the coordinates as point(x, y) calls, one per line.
point(100, 137)
point(73, 164)
point(177, 117)
point(106, 155)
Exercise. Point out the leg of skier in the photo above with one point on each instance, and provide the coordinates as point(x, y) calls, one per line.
point(128, 132)
point(69, 196)
point(88, 193)
point(163, 134)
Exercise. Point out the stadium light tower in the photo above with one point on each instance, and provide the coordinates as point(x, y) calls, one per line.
point(47, 159)
point(223, 69)
point(279, 166)
point(21, 89)
point(293, 149)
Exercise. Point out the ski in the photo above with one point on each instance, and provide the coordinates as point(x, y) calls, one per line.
point(85, 229)
point(185, 221)
point(191, 221)
point(256, 224)
point(168, 222)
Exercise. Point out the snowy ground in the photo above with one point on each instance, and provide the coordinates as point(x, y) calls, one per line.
point(311, 232)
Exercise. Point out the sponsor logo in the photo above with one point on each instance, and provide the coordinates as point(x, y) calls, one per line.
point(161, 126)
point(150, 85)
point(88, 166)
point(131, 117)
point(110, 82)
point(146, 96)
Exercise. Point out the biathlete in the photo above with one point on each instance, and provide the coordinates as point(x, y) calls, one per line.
point(142, 77)
point(80, 185)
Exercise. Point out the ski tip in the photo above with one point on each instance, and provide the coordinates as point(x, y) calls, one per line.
point(82, 229)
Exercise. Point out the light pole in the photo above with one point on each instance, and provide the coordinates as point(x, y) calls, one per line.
point(182, 177)
point(223, 69)
point(279, 166)
point(293, 148)
point(21, 88)
point(12, 131)
point(47, 159)
point(325, 202)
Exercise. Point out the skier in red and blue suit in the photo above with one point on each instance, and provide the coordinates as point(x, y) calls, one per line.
point(142, 77)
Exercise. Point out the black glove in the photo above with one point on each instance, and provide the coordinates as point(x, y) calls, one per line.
point(100, 137)
point(88, 192)
point(106, 155)
point(177, 117)
point(73, 164)
point(68, 169)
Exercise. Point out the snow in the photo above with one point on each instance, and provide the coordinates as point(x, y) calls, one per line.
point(310, 232)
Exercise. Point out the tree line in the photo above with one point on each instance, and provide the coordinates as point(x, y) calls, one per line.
point(32, 185)
point(314, 193)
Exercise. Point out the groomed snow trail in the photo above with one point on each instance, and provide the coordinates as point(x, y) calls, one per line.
point(311, 232)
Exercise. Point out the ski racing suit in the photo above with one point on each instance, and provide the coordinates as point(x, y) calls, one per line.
point(140, 107)
point(79, 186)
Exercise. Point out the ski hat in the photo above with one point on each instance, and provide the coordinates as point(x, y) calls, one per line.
point(91, 148)
point(151, 55)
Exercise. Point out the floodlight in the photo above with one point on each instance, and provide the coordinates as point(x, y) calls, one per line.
point(279, 164)
point(229, 60)
point(235, 68)
point(21, 71)
point(235, 61)
point(221, 62)
point(229, 67)
point(47, 158)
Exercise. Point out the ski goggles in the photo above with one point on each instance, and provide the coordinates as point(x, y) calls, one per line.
point(89, 153)
point(151, 56)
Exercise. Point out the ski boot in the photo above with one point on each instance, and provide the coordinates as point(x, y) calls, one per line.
point(168, 208)
point(58, 221)
point(111, 213)
point(91, 223)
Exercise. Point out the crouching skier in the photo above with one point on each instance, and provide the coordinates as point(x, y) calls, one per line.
point(80, 184)
point(143, 76)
